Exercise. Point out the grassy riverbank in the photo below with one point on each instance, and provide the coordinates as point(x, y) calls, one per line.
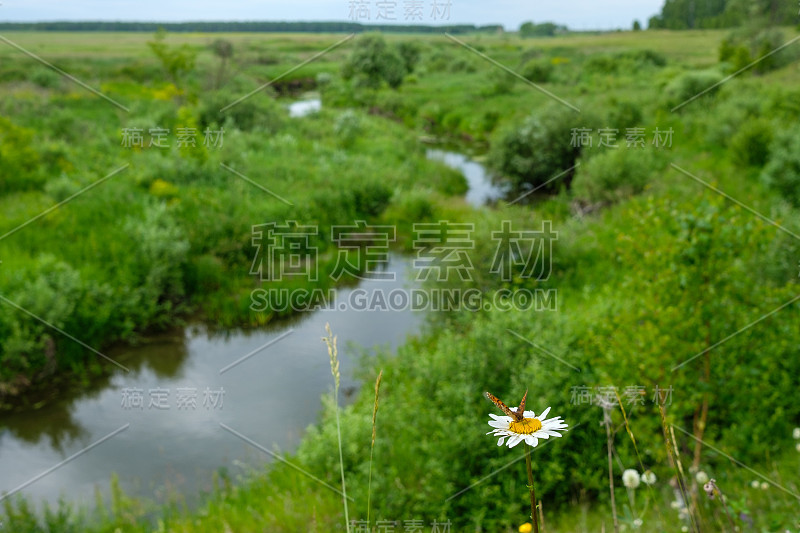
point(675, 265)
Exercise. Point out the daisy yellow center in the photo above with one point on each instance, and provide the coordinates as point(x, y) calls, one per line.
point(526, 426)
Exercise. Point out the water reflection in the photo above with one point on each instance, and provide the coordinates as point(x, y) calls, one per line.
point(271, 398)
point(481, 189)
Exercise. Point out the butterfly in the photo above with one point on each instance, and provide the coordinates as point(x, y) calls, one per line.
point(518, 416)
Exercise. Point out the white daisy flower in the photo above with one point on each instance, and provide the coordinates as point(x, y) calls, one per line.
point(701, 477)
point(530, 429)
point(649, 478)
point(630, 478)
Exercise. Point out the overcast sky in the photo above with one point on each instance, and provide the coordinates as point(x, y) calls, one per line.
point(577, 14)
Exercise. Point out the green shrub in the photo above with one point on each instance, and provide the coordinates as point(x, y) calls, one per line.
point(749, 147)
point(782, 172)
point(44, 77)
point(538, 71)
point(373, 62)
point(371, 198)
point(259, 111)
point(410, 52)
point(692, 84)
point(347, 127)
point(643, 58)
point(601, 64)
point(18, 160)
point(528, 153)
point(614, 175)
point(624, 115)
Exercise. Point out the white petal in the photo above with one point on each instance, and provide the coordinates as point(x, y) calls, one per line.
point(530, 440)
point(514, 440)
point(500, 441)
point(544, 414)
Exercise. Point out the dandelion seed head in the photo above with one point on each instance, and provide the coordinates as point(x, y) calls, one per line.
point(709, 488)
point(630, 478)
point(701, 477)
point(764, 485)
point(637, 523)
point(754, 483)
point(649, 478)
point(796, 433)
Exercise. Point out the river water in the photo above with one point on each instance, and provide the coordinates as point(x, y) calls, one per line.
point(170, 444)
point(159, 426)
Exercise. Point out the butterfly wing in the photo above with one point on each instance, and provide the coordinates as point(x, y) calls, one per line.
point(503, 407)
point(521, 408)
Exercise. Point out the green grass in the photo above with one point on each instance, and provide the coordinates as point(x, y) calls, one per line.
point(660, 274)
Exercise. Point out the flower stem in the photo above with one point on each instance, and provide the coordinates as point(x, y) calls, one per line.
point(534, 514)
point(609, 444)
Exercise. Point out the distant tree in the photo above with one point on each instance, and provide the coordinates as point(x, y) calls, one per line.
point(655, 22)
point(545, 29)
point(526, 29)
point(373, 62)
point(223, 49)
point(175, 61)
point(409, 51)
point(683, 14)
point(526, 154)
point(637, 26)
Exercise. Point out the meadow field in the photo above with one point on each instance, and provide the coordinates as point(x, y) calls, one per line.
point(653, 175)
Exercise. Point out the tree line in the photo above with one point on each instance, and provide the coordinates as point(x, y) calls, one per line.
point(263, 26)
point(689, 14)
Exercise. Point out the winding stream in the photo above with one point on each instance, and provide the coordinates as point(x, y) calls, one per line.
point(271, 397)
point(163, 442)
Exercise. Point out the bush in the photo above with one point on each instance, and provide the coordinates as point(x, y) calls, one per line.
point(18, 160)
point(374, 62)
point(44, 77)
point(644, 58)
point(260, 111)
point(750, 146)
point(690, 85)
point(537, 71)
point(347, 127)
point(614, 175)
point(782, 172)
point(625, 115)
point(527, 154)
point(410, 52)
point(601, 64)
